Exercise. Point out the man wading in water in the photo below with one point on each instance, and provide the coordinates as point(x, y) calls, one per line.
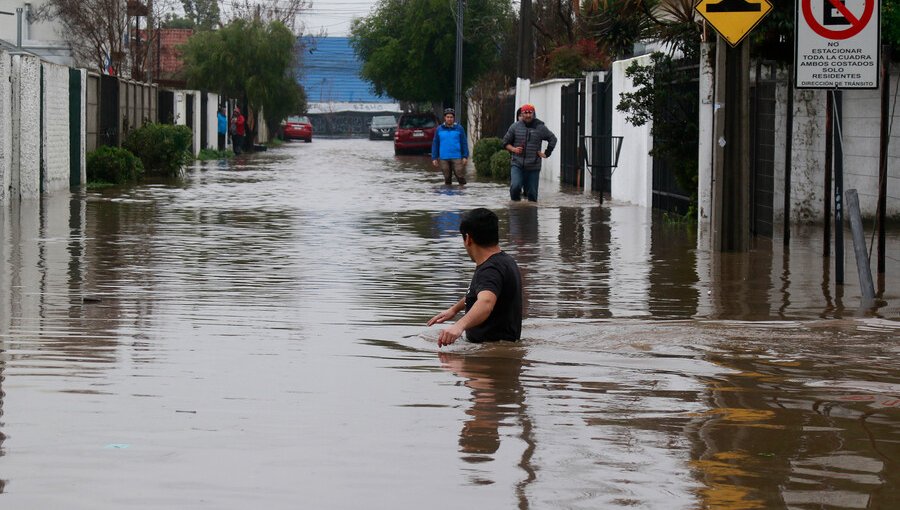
point(493, 302)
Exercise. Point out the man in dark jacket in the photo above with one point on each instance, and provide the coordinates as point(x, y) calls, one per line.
point(524, 140)
point(450, 148)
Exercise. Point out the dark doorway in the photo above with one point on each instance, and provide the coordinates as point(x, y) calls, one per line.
point(572, 171)
point(204, 120)
point(109, 111)
point(74, 128)
point(166, 101)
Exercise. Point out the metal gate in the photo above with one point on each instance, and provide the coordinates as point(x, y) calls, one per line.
point(681, 102)
point(570, 135)
point(204, 120)
point(762, 153)
point(601, 156)
point(166, 101)
point(74, 128)
point(109, 111)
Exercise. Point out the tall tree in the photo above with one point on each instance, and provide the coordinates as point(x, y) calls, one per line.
point(99, 32)
point(408, 48)
point(203, 13)
point(285, 11)
point(248, 59)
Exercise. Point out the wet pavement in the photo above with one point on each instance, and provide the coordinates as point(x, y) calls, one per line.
point(253, 337)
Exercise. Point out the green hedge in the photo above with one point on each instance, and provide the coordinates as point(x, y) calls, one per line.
point(482, 153)
point(164, 149)
point(113, 165)
point(500, 165)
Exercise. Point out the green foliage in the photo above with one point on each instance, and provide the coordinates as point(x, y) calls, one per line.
point(112, 165)
point(212, 154)
point(248, 59)
point(174, 21)
point(665, 96)
point(500, 165)
point(570, 61)
point(204, 14)
point(616, 25)
point(482, 152)
point(164, 149)
point(773, 39)
point(408, 48)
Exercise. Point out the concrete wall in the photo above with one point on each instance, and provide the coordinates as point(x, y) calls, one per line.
point(546, 96)
point(5, 126)
point(861, 137)
point(55, 128)
point(633, 179)
point(26, 132)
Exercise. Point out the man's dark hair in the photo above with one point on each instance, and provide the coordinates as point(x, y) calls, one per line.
point(482, 225)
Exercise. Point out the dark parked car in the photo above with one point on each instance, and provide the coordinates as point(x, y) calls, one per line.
point(297, 127)
point(382, 127)
point(415, 131)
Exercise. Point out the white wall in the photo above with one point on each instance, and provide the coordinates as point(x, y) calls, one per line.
point(55, 132)
point(546, 96)
point(26, 110)
point(633, 178)
point(212, 121)
point(43, 38)
point(5, 126)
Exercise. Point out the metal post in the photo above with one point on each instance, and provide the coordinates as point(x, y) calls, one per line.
point(19, 27)
point(788, 150)
point(736, 180)
point(866, 288)
point(829, 152)
point(882, 167)
point(838, 191)
point(457, 92)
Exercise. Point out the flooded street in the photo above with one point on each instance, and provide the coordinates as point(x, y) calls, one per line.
point(254, 337)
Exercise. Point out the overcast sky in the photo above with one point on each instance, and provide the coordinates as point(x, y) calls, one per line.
point(334, 16)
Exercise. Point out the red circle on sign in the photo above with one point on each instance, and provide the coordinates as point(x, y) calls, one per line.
point(837, 34)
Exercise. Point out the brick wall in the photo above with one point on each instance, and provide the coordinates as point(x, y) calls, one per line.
point(55, 132)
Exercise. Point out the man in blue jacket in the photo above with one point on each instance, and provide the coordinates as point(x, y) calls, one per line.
point(450, 148)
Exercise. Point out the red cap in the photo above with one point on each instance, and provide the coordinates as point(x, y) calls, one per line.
point(527, 108)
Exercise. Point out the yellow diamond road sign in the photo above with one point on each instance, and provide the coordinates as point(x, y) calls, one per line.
point(733, 19)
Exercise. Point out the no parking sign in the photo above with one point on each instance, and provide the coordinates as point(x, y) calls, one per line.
point(837, 44)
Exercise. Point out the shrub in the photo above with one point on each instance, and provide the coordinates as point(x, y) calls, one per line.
point(211, 154)
point(113, 165)
point(482, 153)
point(500, 163)
point(163, 148)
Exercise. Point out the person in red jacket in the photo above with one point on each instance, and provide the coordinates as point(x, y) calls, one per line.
point(238, 130)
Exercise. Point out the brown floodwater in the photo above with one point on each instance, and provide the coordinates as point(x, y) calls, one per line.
point(253, 336)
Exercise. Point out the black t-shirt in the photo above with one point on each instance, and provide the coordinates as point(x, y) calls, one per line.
point(500, 275)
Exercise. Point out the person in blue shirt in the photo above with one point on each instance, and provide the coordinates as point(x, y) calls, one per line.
point(223, 127)
point(450, 149)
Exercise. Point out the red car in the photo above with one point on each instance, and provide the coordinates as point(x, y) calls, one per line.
point(297, 127)
point(414, 133)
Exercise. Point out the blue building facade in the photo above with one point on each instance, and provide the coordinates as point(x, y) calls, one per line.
point(330, 73)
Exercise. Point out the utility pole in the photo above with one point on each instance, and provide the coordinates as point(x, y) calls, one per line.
point(525, 56)
point(457, 91)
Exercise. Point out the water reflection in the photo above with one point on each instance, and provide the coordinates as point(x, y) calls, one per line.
point(497, 400)
point(651, 374)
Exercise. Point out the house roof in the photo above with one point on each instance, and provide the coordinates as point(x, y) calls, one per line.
point(329, 72)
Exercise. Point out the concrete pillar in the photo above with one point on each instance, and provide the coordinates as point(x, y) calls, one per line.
point(26, 132)
point(705, 146)
point(55, 128)
point(5, 127)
